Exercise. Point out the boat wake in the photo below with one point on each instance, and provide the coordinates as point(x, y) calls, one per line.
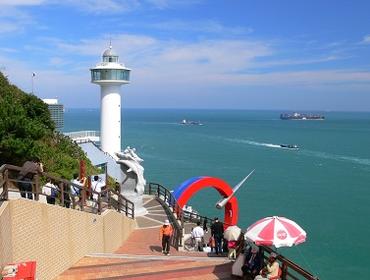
point(323, 155)
point(254, 143)
point(316, 154)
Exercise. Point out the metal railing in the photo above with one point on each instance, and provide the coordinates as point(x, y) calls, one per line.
point(178, 216)
point(290, 270)
point(172, 209)
point(84, 198)
point(175, 213)
point(84, 136)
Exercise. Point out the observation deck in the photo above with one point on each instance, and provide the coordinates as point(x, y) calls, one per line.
point(84, 136)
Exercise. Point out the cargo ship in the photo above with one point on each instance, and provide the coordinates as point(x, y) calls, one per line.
point(187, 122)
point(299, 116)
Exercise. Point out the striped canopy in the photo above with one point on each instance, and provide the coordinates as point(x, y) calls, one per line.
point(276, 231)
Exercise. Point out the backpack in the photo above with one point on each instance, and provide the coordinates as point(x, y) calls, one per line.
point(75, 190)
point(53, 192)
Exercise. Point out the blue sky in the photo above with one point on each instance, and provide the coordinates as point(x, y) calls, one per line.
point(262, 54)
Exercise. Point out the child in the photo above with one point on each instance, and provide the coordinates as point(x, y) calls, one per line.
point(212, 243)
point(231, 245)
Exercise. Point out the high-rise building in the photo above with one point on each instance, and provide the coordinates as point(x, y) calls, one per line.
point(56, 112)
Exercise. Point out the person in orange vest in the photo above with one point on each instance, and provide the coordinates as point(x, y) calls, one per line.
point(165, 234)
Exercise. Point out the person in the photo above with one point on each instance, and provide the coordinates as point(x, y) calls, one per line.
point(197, 233)
point(205, 228)
point(117, 187)
point(217, 231)
point(29, 169)
point(77, 186)
point(96, 187)
point(271, 271)
point(165, 234)
point(50, 190)
point(252, 264)
point(231, 245)
point(212, 243)
point(225, 247)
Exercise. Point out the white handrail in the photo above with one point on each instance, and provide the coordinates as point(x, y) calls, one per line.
point(84, 136)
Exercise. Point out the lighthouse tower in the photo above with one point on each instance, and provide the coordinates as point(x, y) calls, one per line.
point(110, 75)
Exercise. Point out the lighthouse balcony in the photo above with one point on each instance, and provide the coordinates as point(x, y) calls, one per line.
point(110, 75)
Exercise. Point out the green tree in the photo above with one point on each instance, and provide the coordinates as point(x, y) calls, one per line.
point(27, 131)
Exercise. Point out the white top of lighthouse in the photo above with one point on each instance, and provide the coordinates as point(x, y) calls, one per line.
point(109, 70)
point(110, 53)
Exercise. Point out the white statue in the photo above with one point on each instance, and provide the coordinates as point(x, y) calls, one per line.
point(133, 162)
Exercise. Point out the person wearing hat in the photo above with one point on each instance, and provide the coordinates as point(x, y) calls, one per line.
point(165, 234)
point(29, 169)
point(272, 269)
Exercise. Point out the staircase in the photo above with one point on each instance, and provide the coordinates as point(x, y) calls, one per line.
point(140, 256)
point(155, 216)
point(127, 266)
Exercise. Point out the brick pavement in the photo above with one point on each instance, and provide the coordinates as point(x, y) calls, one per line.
point(140, 257)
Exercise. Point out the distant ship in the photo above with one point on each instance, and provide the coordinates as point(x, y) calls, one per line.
point(187, 122)
point(289, 146)
point(299, 116)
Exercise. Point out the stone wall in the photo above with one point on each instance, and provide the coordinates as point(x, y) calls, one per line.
point(58, 237)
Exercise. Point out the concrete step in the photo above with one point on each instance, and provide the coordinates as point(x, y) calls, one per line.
point(140, 257)
point(146, 222)
point(151, 203)
point(108, 266)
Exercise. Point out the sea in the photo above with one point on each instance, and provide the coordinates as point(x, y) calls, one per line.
point(324, 186)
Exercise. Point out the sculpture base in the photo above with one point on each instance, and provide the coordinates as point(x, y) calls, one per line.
point(140, 210)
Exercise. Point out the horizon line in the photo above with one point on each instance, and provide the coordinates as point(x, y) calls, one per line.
point(227, 109)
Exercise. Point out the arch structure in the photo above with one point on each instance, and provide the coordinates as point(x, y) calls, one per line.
point(191, 186)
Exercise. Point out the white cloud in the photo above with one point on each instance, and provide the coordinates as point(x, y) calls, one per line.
point(58, 61)
point(8, 50)
point(98, 6)
point(13, 19)
point(21, 2)
point(301, 78)
point(118, 6)
point(125, 45)
point(160, 4)
point(218, 55)
point(51, 83)
point(206, 26)
point(164, 4)
point(366, 39)
point(300, 61)
point(6, 26)
point(169, 66)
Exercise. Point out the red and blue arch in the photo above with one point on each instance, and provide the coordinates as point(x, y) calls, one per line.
point(191, 186)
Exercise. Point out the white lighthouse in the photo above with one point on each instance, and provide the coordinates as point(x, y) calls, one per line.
point(110, 75)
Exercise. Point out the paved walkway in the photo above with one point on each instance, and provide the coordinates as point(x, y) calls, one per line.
point(140, 257)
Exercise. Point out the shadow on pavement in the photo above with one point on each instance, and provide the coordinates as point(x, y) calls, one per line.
point(155, 248)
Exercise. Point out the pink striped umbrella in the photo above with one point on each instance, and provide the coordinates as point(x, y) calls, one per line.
point(276, 231)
